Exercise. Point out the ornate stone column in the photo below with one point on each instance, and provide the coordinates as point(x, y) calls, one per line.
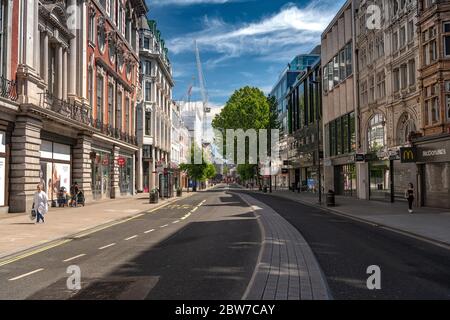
point(44, 72)
point(60, 73)
point(73, 59)
point(115, 192)
point(25, 163)
point(65, 74)
point(81, 164)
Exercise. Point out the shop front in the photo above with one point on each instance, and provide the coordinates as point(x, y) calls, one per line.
point(433, 159)
point(55, 168)
point(3, 170)
point(101, 169)
point(125, 164)
point(344, 176)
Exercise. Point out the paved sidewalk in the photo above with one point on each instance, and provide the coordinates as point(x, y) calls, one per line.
point(19, 233)
point(288, 269)
point(428, 223)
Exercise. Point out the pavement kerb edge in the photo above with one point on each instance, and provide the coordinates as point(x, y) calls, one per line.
point(261, 249)
point(435, 242)
point(62, 240)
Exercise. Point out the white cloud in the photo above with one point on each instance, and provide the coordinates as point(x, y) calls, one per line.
point(290, 29)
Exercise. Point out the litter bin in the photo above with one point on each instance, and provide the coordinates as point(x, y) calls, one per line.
point(293, 186)
point(154, 197)
point(265, 189)
point(331, 199)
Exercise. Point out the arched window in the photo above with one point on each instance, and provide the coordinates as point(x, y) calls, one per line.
point(376, 132)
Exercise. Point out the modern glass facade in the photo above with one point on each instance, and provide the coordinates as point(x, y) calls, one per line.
point(340, 135)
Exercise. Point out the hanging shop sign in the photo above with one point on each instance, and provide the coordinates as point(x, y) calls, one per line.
point(408, 155)
point(121, 161)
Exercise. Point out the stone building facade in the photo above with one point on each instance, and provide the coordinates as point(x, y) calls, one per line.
point(389, 112)
point(154, 112)
point(433, 149)
point(61, 115)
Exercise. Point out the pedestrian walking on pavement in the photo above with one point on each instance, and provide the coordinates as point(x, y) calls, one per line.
point(409, 195)
point(40, 203)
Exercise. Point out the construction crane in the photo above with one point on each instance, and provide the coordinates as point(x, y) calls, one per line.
point(202, 83)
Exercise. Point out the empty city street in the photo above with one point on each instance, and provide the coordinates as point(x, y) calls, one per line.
point(208, 246)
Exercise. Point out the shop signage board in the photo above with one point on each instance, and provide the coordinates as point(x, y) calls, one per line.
point(434, 152)
point(360, 157)
point(408, 155)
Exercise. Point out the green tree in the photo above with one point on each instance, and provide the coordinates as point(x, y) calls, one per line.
point(195, 171)
point(210, 171)
point(248, 108)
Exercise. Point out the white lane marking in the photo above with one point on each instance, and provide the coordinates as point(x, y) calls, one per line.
point(176, 221)
point(26, 274)
point(132, 237)
point(107, 246)
point(76, 257)
point(148, 231)
point(195, 209)
point(166, 225)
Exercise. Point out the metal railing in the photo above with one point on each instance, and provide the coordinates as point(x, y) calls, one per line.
point(73, 111)
point(8, 89)
point(82, 114)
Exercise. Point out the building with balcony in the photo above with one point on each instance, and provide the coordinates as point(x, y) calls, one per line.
point(154, 111)
point(73, 116)
point(388, 97)
point(9, 106)
point(433, 149)
point(113, 88)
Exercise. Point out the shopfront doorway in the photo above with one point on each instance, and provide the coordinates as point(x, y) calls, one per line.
point(345, 180)
point(380, 180)
point(101, 180)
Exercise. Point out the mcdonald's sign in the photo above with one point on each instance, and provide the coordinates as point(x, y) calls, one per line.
point(408, 155)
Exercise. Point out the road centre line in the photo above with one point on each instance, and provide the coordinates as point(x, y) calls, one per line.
point(107, 246)
point(148, 231)
point(166, 225)
point(132, 237)
point(176, 221)
point(76, 257)
point(26, 274)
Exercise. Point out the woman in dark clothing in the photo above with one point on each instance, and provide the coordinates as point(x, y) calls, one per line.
point(409, 194)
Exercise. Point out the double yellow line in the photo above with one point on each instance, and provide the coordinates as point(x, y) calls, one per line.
point(64, 241)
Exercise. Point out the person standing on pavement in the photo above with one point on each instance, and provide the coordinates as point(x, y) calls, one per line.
point(40, 203)
point(409, 195)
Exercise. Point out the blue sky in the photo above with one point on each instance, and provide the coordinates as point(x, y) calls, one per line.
point(241, 42)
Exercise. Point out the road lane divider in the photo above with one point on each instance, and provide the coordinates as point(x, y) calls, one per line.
point(148, 231)
point(26, 274)
point(76, 257)
point(166, 225)
point(176, 221)
point(38, 249)
point(27, 254)
point(107, 246)
point(132, 237)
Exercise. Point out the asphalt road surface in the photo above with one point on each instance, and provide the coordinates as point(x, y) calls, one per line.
point(410, 268)
point(202, 247)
